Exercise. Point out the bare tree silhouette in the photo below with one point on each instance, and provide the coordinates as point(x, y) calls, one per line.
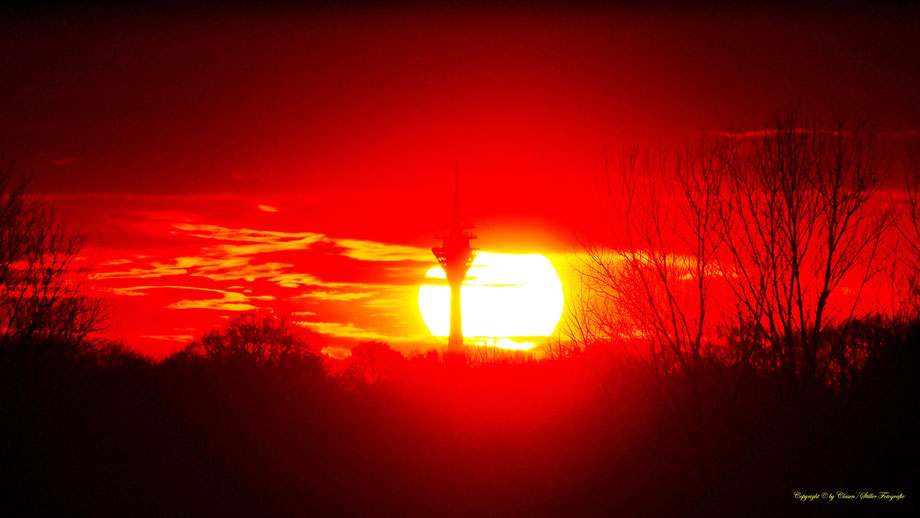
point(909, 230)
point(798, 219)
point(773, 221)
point(44, 307)
point(653, 286)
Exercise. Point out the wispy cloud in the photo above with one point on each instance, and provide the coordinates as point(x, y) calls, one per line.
point(900, 134)
point(349, 330)
point(336, 352)
point(325, 295)
point(235, 250)
point(769, 133)
point(154, 270)
point(115, 262)
point(382, 303)
point(227, 269)
point(374, 251)
point(271, 241)
point(67, 160)
point(170, 338)
point(294, 280)
point(279, 240)
point(225, 300)
point(230, 301)
point(911, 133)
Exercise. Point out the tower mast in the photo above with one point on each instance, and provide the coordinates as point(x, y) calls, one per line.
point(455, 255)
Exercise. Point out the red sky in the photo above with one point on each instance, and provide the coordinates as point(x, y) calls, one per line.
point(162, 134)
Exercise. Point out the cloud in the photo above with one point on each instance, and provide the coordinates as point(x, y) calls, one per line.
point(382, 303)
point(229, 302)
point(155, 270)
point(267, 208)
point(769, 133)
point(325, 295)
point(374, 251)
point(170, 338)
point(278, 240)
point(900, 134)
point(232, 255)
point(214, 268)
point(115, 262)
point(235, 268)
point(294, 280)
point(134, 291)
point(226, 269)
point(272, 241)
point(336, 352)
point(911, 133)
point(67, 160)
point(348, 330)
point(226, 301)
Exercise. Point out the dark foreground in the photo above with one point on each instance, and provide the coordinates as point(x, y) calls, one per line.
point(586, 436)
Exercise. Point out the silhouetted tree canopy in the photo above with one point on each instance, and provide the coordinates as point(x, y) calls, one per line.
point(372, 362)
point(255, 337)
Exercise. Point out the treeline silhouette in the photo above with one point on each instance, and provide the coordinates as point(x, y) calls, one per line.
point(647, 405)
point(114, 433)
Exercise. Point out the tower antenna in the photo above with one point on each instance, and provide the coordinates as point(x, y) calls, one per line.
point(456, 220)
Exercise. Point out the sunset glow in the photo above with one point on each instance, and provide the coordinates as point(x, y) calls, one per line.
point(506, 295)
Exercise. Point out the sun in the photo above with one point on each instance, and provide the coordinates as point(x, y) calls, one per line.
point(504, 296)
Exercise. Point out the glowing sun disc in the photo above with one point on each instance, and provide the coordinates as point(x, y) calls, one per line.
point(505, 295)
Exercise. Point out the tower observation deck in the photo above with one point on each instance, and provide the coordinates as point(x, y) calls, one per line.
point(455, 255)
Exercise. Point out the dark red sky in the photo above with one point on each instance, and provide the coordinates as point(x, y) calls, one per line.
point(162, 132)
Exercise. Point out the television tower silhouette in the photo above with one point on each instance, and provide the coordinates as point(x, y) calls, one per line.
point(455, 255)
